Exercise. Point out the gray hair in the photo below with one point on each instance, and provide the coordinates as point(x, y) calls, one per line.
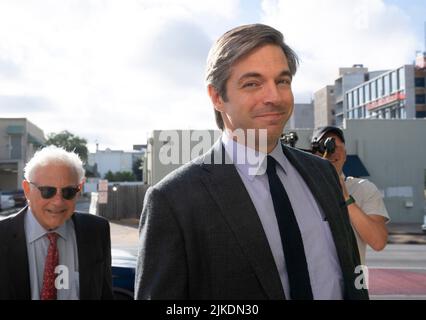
point(54, 155)
point(234, 45)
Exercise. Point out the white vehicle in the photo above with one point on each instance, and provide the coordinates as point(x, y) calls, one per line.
point(424, 225)
point(6, 202)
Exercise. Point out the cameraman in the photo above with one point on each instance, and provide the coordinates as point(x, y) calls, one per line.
point(364, 201)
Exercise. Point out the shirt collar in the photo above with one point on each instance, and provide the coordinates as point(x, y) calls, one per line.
point(35, 231)
point(279, 156)
point(248, 161)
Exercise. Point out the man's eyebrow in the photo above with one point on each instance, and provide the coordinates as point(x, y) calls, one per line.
point(250, 75)
point(284, 73)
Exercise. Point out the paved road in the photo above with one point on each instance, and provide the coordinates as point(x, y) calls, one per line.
point(124, 237)
point(399, 256)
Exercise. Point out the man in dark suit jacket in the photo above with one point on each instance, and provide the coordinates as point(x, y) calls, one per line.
point(211, 229)
point(54, 177)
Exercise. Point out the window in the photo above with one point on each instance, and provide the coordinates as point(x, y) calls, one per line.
point(394, 81)
point(387, 113)
point(420, 99)
point(419, 82)
point(374, 90)
point(403, 113)
point(393, 112)
point(367, 92)
point(361, 95)
point(350, 100)
point(421, 114)
point(386, 89)
point(356, 100)
point(380, 87)
point(15, 142)
point(401, 76)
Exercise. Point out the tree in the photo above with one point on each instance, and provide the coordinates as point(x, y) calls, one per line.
point(92, 171)
point(109, 176)
point(69, 142)
point(120, 176)
point(137, 169)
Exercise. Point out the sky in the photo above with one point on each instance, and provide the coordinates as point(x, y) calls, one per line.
point(111, 71)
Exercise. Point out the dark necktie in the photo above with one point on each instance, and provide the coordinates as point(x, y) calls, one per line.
point(291, 239)
point(48, 291)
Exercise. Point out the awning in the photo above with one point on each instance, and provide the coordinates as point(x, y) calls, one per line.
point(35, 141)
point(15, 130)
point(354, 167)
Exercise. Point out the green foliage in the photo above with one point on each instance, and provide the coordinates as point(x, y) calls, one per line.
point(120, 176)
point(69, 142)
point(137, 169)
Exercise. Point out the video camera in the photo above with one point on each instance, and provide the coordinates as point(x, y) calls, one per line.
point(290, 138)
point(324, 147)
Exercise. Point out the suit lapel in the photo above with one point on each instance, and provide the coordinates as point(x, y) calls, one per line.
point(18, 259)
point(85, 255)
point(229, 192)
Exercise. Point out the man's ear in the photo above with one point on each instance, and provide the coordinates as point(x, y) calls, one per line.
point(215, 98)
point(26, 186)
point(81, 185)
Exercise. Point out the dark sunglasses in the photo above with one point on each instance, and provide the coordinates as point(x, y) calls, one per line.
point(68, 193)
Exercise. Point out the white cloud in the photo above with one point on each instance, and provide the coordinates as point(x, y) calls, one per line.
point(110, 70)
point(329, 34)
point(115, 70)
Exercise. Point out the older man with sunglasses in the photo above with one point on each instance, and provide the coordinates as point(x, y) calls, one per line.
point(47, 250)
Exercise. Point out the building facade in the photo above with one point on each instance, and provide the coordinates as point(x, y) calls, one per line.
point(19, 140)
point(396, 94)
point(360, 94)
point(324, 107)
point(113, 160)
point(348, 78)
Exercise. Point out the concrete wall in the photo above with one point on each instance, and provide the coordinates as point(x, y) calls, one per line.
point(323, 104)
point(169, 149)
point(394, 152)
point(303, 116)
point(410, 91)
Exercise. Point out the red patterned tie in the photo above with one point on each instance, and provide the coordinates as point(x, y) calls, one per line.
point(52, 260)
